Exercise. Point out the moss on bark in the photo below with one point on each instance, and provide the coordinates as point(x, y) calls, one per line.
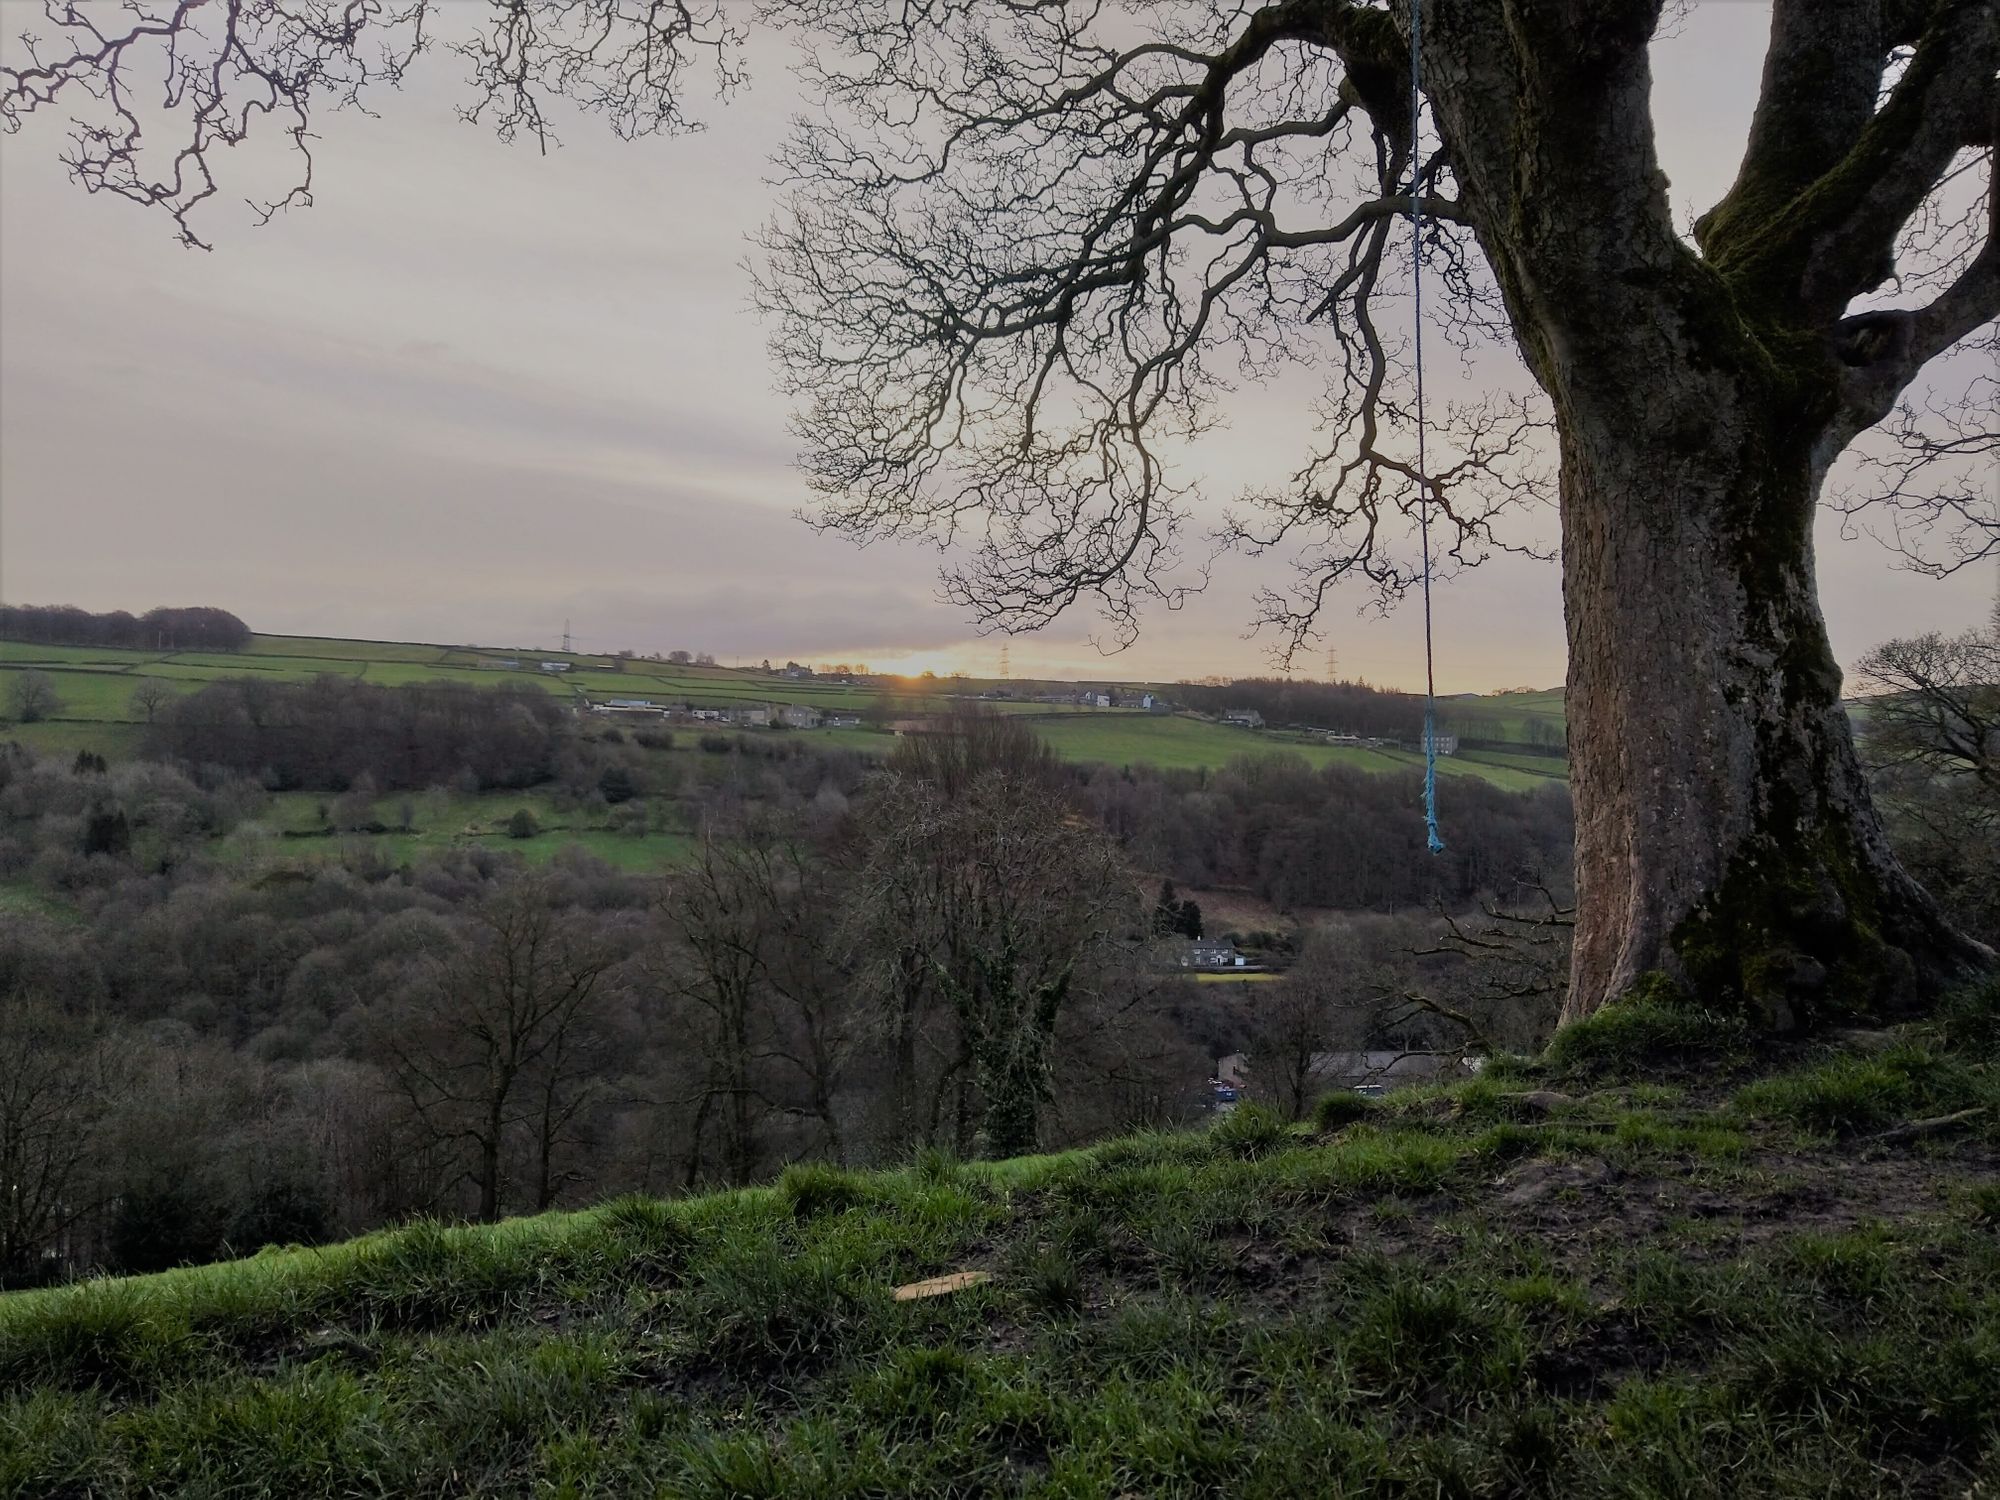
point(1793, 938)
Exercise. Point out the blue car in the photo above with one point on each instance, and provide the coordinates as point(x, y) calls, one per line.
point(1224, 1093)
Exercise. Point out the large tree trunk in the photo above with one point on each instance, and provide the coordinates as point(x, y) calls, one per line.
point(1726, 843)
point(1725, 836)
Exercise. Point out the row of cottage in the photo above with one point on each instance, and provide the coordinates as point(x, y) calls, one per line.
point(751, 716)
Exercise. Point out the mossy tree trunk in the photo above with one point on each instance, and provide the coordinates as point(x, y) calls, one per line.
point(1725, 834)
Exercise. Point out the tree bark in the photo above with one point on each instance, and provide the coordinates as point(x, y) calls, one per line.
point(1726, 840)
point(489, 1163)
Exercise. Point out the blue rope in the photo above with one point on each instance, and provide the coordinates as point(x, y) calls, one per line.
point(1423, 470)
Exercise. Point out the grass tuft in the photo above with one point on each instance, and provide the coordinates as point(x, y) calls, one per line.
point(813, 1189)
point(1251, 1130)
point(1638, 1035)
point(1341, 1107)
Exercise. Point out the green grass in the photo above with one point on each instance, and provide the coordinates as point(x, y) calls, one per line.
point(1179, 743)
point(90, 694)
point(63, 738)
point(1544, 767)
point(29, 653)
point(1852, 1095)
point(1505, 716)
point(291, 832)
point(1405, 1298)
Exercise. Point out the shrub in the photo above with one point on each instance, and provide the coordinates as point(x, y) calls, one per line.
point(523, 825)
point(280, 1213)
point(1341, 1107)
point(166, 1224)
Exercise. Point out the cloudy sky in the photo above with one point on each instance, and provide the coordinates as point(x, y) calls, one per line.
point(476, 392)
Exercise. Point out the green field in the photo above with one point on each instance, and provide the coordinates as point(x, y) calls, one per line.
point(1540, 767)
point(1180, 743)
point(1515, 717)
point(95, 686)
point(292, 831)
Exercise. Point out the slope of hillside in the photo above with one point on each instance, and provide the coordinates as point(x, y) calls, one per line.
point(1565, 1281)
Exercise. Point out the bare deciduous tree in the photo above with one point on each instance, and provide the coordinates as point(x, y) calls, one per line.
point(483, 1047)
point(150, 696)
point(754, 961)
point(58, 1083)
point(1345, 993)
point(1025, 246)
point(1931, 733)
point(1936, 704)
point(1023, 897)
point(32, 696)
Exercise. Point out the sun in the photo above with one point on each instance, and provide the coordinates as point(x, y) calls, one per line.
point(916, 663)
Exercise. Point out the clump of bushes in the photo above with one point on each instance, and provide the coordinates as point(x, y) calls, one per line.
point(523, 825)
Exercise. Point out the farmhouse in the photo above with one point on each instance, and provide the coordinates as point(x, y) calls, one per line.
point(840, 720)
point(555, 666)
point(1249, 718)
point(753, 718)
point(1200, 955)
point(800, 716)
point(1447, 744)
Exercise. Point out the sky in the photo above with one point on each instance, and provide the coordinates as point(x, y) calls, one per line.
point(475, 394)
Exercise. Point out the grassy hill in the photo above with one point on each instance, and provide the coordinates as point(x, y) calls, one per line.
point(96, 686)
point(1573, 1279)
point(1179, 742)
point(1519, 718)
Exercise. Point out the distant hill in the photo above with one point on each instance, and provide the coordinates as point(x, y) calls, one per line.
point(102, 694)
